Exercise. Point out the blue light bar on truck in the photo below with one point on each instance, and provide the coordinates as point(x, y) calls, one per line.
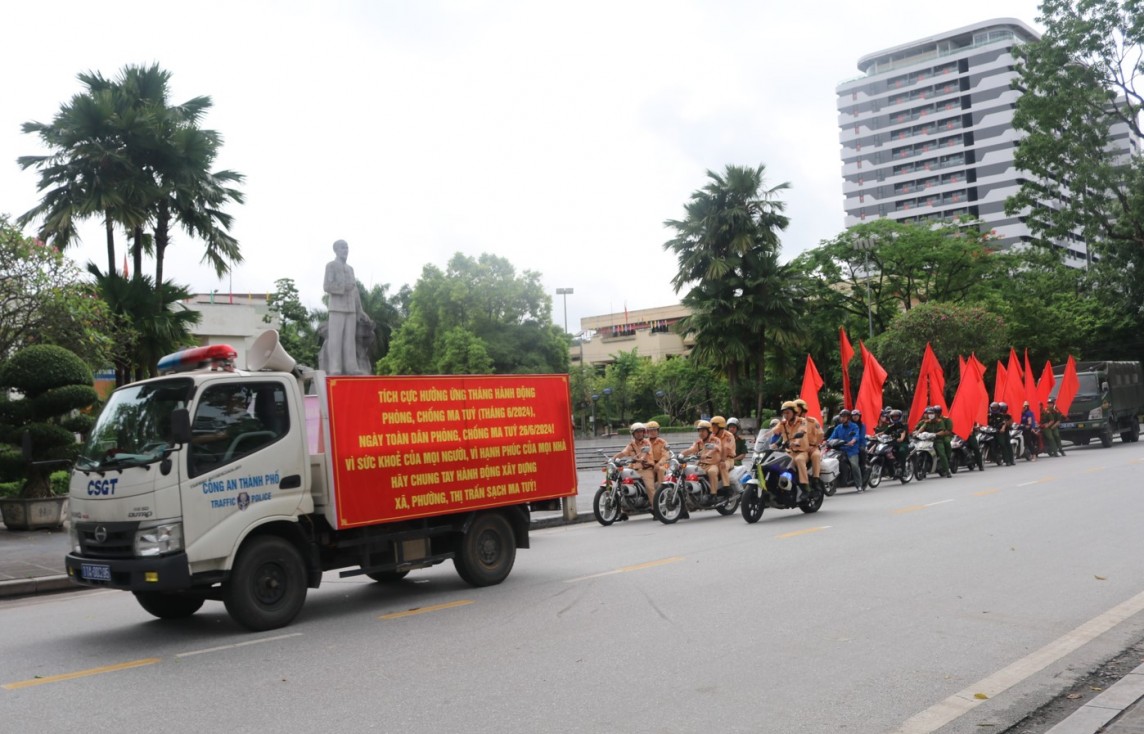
point(212, 356)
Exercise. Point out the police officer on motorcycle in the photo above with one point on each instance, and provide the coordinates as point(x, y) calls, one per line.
point(900, 433)
point(1000, 419)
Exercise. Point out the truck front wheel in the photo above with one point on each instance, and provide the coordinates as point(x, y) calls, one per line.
point(487, 552)
point(168, 606)
point(267, 586)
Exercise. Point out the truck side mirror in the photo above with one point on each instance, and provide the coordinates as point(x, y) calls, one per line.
point(180, 426)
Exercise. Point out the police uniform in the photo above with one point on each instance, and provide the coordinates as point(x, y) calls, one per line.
point(640, 451)
point(796, 447)
point(1051, 429)
point(1001, 422)
point(710, 458)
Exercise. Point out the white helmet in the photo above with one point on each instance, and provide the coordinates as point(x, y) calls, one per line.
point(732, 422)
point(637, 427)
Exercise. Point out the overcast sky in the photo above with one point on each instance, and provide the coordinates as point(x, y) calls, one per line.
point(559, 135)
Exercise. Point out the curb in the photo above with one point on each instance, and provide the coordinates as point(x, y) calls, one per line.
point(553, 522)
point(40, 585)
point(1095, 715)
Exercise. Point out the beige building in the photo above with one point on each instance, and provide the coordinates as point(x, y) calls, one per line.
point(234, 319)
point(651, 331)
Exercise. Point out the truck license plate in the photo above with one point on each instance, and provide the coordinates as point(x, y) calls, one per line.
point(95, 572)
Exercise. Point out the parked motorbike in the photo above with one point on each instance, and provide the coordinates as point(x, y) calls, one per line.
point(960, 455)
point(621, 493)
point(685, 486)
point(923, 456)
point(881, 461)
point(1023, 443)
point(990, 446)
point(1030, 441)
point(772, 483)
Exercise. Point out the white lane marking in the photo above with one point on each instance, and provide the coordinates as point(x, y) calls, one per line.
point(1026, 484)
point(939, 502)
point(236, 645)
point(627, 569)
point(963, 701)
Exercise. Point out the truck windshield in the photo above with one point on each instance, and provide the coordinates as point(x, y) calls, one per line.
point(134, 427)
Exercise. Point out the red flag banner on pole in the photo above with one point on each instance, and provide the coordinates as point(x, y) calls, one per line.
point(999, 383)
point(1014, 384)
point(1045, 384)
point(970, 403)
point(847, 352)
point(921, 389)
point(975, 366)
point(811, 384)
point(1031, 388)
point(870, 391)
point(961, 364)
point(1069, 387)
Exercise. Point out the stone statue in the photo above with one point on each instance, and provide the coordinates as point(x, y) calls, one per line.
point(347, 319)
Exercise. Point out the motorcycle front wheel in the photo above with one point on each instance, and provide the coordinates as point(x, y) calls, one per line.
point(752, 505)
point(920, 468)
point(668, 505)
point(605, 507)
point(812, 503)
point(875, 475)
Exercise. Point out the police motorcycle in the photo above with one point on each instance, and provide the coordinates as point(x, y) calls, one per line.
point(685, 487)
point(834, 467)
point(881, 461)
point(772, 481)
point(923, 457)
point(621, 493)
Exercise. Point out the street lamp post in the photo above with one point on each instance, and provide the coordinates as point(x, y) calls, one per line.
point(565, 292)
point(865, 246)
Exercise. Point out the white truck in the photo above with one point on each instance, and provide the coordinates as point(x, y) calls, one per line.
point(212, 483)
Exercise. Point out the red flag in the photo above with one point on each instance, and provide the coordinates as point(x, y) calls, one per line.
point(1045, 384)
point(811, 384)
point(1069, 387)
point(999, 383)
point(870, 392)
point(976, 367)
point(925, 386)
point(961, 367)
point(970, 403)
point(1031, 387)
point(847, 352)
point(1014, 384)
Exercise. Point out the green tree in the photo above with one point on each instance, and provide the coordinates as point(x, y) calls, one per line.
point(122, 151)
point(1079, 80)
point(681, 388)
point(510, 314)
point(952, 329)
point(53, 384)
point(727, 247)
point(297, 332)
point(874, 270)
point(44, 300)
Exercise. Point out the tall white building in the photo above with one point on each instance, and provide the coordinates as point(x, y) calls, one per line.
point(927, 131)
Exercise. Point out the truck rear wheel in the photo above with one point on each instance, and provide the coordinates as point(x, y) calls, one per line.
point(168, 606)
point(1132, 435)
point(267, 586)
point(487, 552)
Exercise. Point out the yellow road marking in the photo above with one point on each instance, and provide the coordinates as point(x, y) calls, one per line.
point(626, 569)
point(911, 508)
point(1093, 469)
point(423, 610)
point(807, 531)
point(984, 492)
point(79, 674)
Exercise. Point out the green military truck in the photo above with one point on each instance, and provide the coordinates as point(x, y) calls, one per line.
point(1109, 400)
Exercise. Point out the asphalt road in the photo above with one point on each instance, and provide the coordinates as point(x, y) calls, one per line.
point(947, 605)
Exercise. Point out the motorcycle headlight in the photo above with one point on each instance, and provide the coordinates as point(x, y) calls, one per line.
point(159, 540)
point(1096, 413)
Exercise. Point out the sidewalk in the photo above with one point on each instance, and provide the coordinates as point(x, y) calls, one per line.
point(32, 562)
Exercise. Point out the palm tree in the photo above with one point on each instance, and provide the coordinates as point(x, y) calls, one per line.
point(727, 247)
